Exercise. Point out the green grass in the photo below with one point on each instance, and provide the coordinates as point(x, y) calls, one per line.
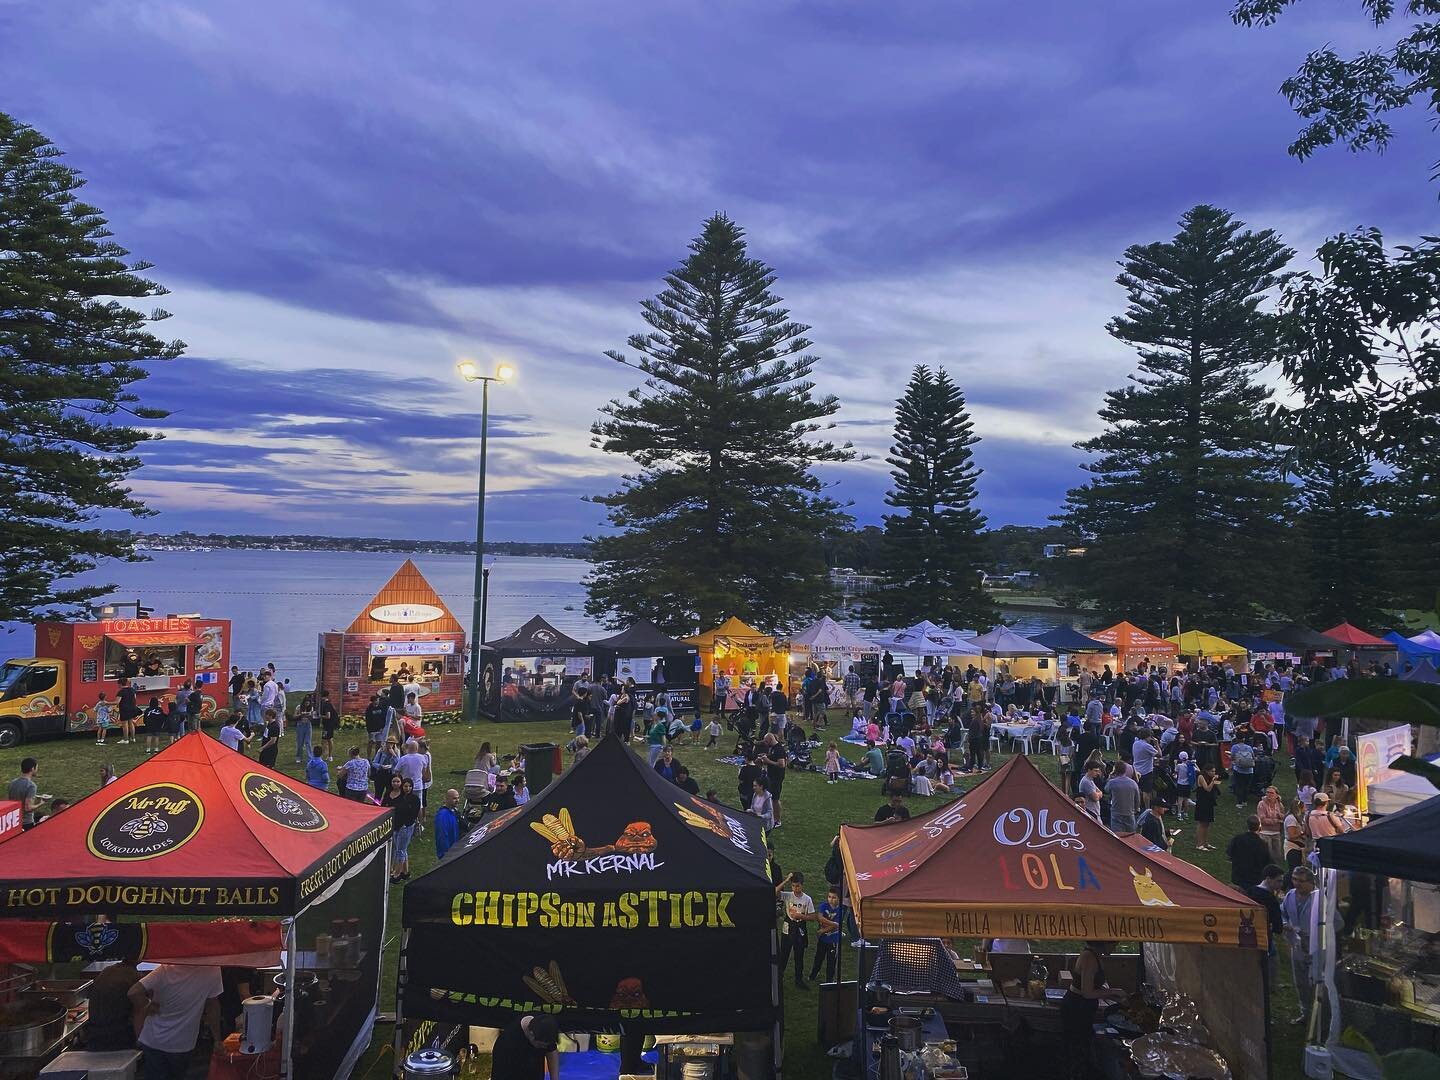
point(812, 813)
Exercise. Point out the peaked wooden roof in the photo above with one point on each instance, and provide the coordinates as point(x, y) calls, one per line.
point(408, 586)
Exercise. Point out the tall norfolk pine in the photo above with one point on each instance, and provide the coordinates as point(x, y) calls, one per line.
point(933, 553)
point(70, 352)
point(1183, 515)
point(724, 515)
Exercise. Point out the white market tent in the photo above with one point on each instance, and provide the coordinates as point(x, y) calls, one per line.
point(1004, 642)
point(828, 640)
point(927, 639)
point(1429, 638)
point(1400, 791)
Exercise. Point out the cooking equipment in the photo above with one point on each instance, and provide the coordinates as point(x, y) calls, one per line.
point(906, 1030)
point(68, 992)
point(258, 1024)
point(890, 1058)
point(30, 1026)
point(429, 1065)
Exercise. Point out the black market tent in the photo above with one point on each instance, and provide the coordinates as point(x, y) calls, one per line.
point(612, 899)
point(1066, 639)
point(1303, 640)
point(1262, 648)
point(652, 658)
point(539, 687)
point(200, 830)
point(1397, 700)
point(1399, 845)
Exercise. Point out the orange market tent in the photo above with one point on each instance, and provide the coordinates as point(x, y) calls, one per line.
point(1134, 644)
point(1015, 858)
point(739, 651)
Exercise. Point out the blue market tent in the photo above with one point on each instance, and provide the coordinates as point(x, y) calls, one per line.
point(1066, 639)
point(1411, 650)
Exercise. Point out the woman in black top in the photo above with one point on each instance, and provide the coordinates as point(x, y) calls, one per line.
point(270, 747)
point(407, 813)
point(1081, 1003)
point(624, 714)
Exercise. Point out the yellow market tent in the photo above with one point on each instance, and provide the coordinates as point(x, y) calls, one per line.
point(1205, 646)
point(741, 652)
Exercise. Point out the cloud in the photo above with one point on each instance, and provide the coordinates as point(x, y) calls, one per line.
point(344, 205)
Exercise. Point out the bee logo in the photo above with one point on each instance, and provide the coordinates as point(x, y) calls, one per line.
point(274, 799)
point(145, 826)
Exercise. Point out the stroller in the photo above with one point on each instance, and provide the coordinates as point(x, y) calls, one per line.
point(477, 790)
point(798, 749)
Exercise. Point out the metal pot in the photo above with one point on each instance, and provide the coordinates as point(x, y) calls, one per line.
point(907, 1030)
point(28, 1028)
point(429, 1065)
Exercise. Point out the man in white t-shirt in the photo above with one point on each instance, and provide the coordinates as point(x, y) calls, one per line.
point(169, 1004)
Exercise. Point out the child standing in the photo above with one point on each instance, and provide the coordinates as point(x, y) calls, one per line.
point(832, 764)
point(1184, 783)
point(102, 720)
point(714, 732)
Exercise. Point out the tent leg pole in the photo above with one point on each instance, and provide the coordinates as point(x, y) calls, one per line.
point(399, 1054)
point(287, 1039)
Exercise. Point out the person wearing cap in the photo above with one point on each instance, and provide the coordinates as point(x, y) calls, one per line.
point(1322, 819)
point(526, 1048)
point(1151, 824)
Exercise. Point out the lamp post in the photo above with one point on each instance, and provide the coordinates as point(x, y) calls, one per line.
point(470, 372)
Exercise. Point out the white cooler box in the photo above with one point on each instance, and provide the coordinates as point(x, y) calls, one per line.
point(97, 1065)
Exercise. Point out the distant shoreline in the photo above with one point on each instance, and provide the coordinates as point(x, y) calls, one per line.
point(363, 544)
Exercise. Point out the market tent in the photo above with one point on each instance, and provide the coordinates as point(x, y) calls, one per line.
point(1422, 672)
point(200, 830)
point(1399, 791)
point(1066, 639)
point(1395, 700)
point(1050, 871)
point(927, 639)
point(1410, 649)
point(1262, 648)
point(511, 692)
point(1002, 641)
point(652, 658)
point(1131, 642)
point(828, 640)
point(1304, 640)
point(738, 650)
point(197, 829)
point(1355, 638)
point(1397, 846)
point(613, 897)
point(1429, 638)
point(1198, 643)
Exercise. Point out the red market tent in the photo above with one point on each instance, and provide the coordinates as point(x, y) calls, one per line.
point(1132, 643)
point(199, 830)
point(1015, 858)
point(195, 830)
point(1356, 638)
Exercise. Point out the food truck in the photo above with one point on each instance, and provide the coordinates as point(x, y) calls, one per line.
point(79, 665)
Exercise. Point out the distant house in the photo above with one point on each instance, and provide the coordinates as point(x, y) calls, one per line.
point(1062, 551)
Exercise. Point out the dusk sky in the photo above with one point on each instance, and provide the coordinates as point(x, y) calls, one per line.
point(345, 199)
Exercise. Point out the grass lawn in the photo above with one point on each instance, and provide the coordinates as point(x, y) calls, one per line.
point(812, 812)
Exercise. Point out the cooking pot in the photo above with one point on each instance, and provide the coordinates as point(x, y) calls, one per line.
point(429, 1064)
point(30, 1026)
point(907, 1030)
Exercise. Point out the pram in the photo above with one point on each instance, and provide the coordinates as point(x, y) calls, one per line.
point(477, 790)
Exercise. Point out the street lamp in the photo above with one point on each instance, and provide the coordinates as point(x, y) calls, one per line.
point(470, 372)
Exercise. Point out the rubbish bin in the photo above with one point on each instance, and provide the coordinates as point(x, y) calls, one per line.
point(541, 765)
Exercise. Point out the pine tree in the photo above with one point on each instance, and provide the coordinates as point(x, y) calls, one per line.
point(725, 516)
point(69, 352)
point(1184, 514)
point(933, 551)
point(1342, 567)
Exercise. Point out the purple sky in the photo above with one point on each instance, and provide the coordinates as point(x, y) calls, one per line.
point(345, 199)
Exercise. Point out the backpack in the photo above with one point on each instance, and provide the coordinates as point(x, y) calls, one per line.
point(1242, 756)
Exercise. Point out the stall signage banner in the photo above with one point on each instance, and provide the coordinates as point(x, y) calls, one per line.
point(577, 665)
point(634, 667)
point(10, 819)
point(27, 941)
point(411, 648)
point(1374, 753)
point(406, 614)
point(145, 626)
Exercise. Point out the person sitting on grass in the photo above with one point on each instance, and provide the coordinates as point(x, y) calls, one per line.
point(894, 809)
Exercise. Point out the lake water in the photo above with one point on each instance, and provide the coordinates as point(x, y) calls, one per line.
point(279, 601)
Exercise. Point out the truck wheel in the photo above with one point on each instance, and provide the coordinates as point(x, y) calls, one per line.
point(11, 735)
